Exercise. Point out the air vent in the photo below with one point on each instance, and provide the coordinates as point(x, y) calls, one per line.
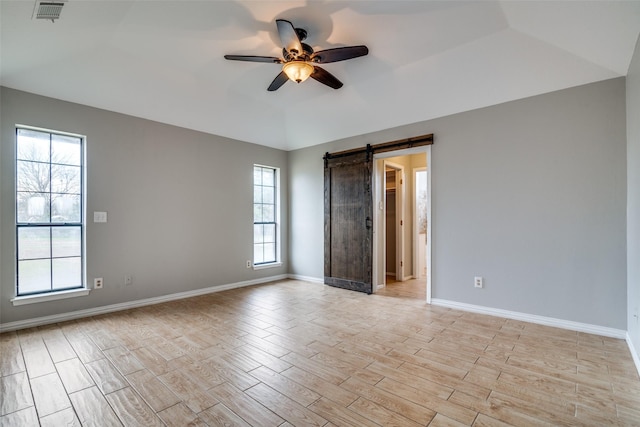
point(49, 10)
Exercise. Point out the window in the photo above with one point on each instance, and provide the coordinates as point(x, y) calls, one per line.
point(49, 211)
point(265, 215)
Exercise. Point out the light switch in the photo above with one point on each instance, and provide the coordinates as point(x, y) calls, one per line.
point(99, 217)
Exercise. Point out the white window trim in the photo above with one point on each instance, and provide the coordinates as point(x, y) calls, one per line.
point(51, 296)
point(268, 265)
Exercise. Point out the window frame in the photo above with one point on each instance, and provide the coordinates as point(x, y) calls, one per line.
point(276, 222)
point(27, 297)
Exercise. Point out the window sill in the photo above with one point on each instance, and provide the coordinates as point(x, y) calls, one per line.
point(270, 265)
point(33, 299)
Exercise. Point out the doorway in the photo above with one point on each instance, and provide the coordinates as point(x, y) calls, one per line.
point(354, 207)
point(394, 194)
point(410, 214)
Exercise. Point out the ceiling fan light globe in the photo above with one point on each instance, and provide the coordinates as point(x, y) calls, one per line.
point(298, 71)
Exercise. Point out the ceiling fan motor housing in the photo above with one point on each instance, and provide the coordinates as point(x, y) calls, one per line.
point(293, 55)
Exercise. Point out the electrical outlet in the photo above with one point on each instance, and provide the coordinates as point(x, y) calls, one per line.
point(128, 280)
point(249, 264)
point(97, 283)
point(478, 282)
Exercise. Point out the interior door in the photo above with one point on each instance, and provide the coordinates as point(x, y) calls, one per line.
point(348, 221)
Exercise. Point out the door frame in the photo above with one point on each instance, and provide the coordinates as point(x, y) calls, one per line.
point(378, 181)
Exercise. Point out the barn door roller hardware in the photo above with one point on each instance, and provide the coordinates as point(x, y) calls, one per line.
point(416, 141)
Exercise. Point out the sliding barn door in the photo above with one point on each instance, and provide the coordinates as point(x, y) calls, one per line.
point(348, 221)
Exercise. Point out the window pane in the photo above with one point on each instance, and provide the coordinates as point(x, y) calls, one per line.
point(33, 177)
point(65, 208)
point(65, 179)
point(33, 207)
point(34, 276)
point(34, 243)
point(257, 194)
point(258, 231)
point(66, 150)
point(257, 213)
point(268, 214)
point(257, 254)
point(66, 241)
point(33, 145)
point(267, 177)
point(269, 252)
point(268, 195)
point(257, 175)
point(269, 234)
point(67, 273)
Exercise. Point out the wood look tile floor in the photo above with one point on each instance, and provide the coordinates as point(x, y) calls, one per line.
point(413, 288)
point(293, 353)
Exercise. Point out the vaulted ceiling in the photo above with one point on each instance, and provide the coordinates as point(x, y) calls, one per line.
point(163, 60)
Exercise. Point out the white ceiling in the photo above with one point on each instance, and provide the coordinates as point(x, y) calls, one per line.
point(163, 60)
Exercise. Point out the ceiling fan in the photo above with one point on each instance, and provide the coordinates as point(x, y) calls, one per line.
point(299, 59)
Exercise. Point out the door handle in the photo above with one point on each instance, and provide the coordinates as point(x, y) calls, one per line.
point(369, 223)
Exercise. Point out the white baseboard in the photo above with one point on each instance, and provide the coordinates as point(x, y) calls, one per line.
point(634, 353)
point(306, 278)
point(46, 320)
point(532, 318)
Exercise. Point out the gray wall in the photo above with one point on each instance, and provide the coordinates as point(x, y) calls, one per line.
point(530, 194)
point(633, 200)
point(179, 204)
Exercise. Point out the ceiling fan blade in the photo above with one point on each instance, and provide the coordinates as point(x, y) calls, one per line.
point(251, 58)
point(289, 37)
point(325, 77)
point(278, 81)
point(339, 54)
